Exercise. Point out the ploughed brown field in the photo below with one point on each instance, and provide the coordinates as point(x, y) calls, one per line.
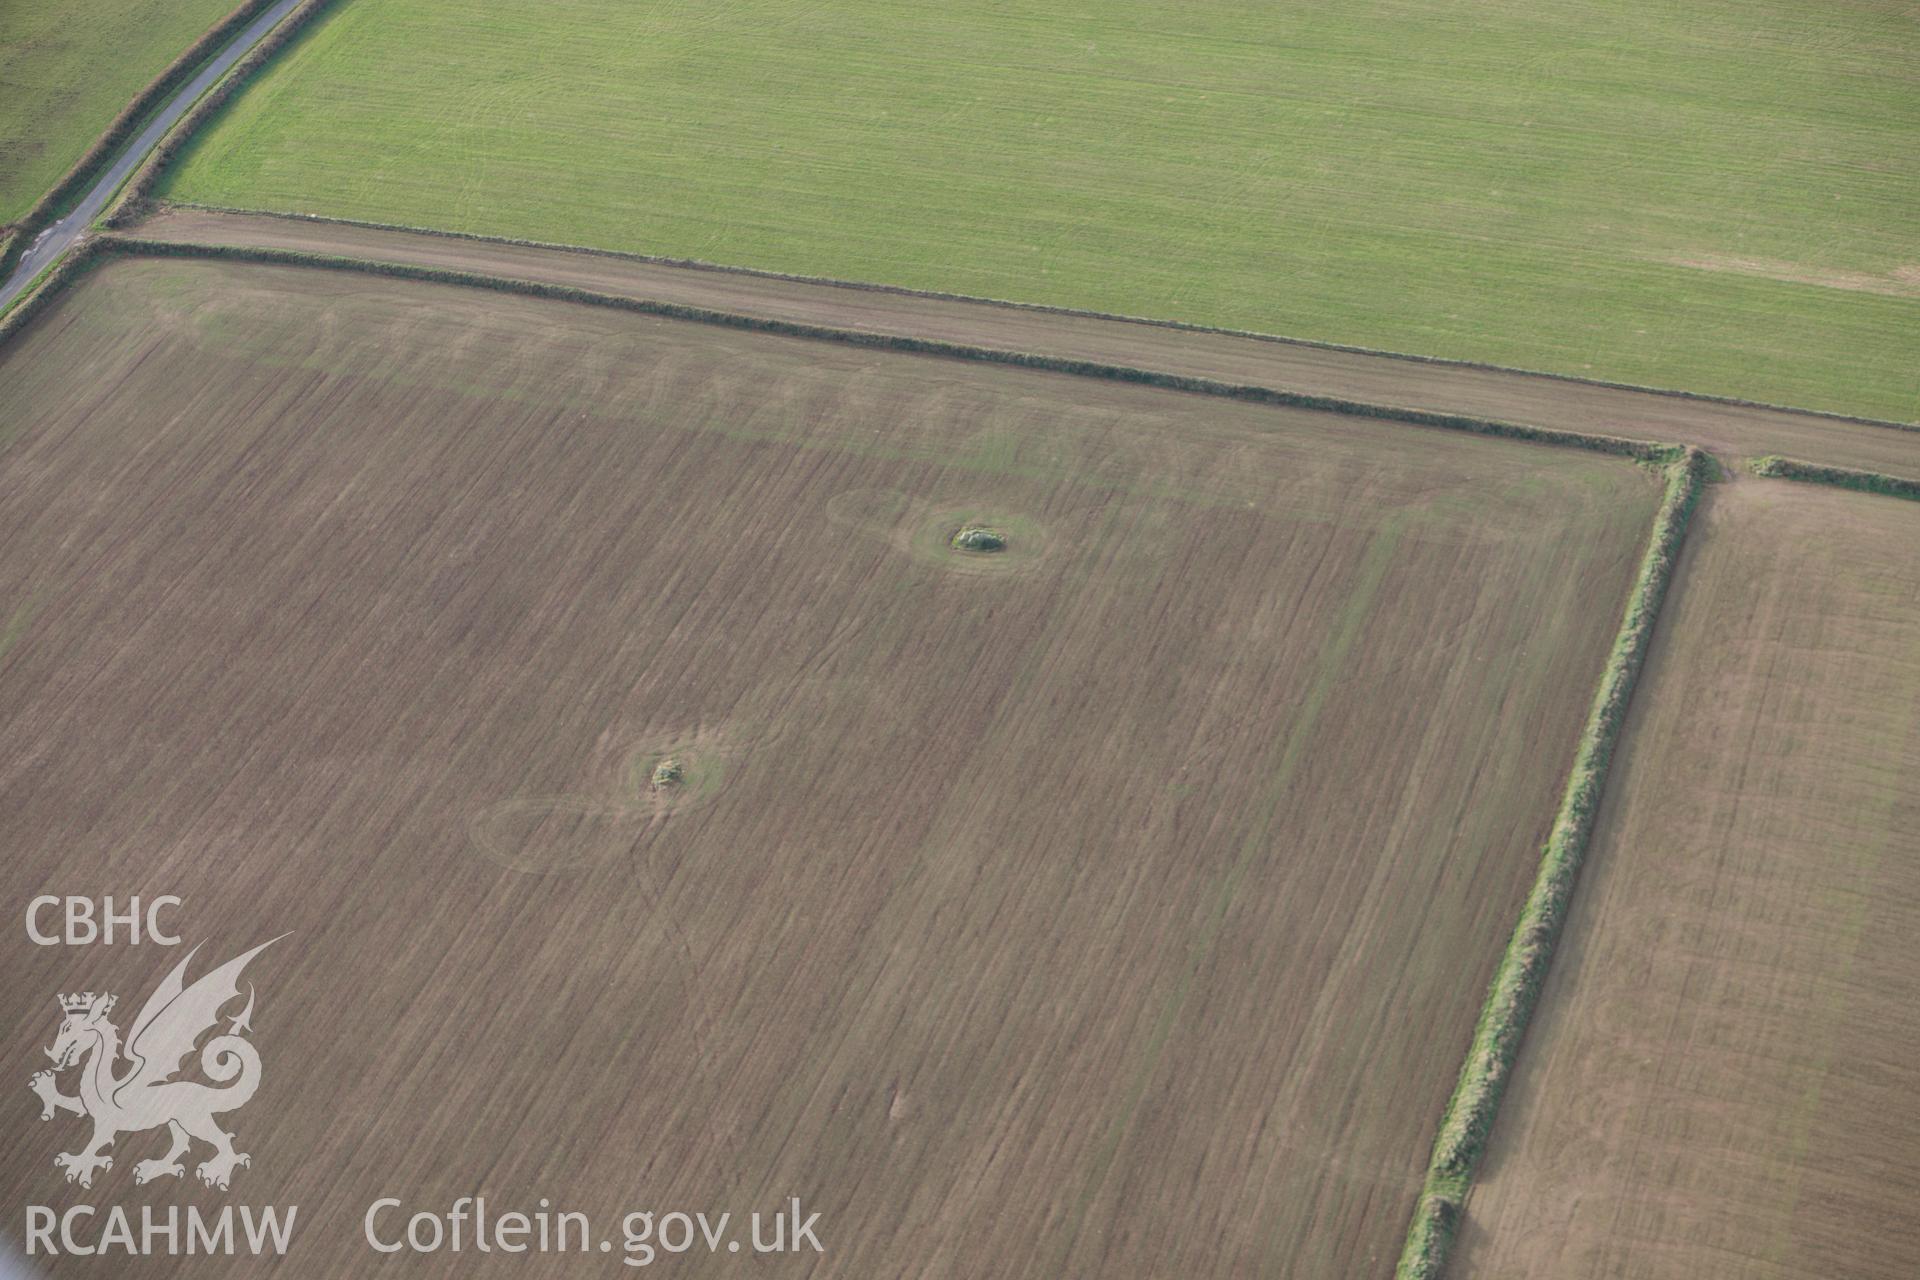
point(1119, 903)
point(1720, 1078)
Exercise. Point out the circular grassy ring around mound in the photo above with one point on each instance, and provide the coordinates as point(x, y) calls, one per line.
point(979, 539)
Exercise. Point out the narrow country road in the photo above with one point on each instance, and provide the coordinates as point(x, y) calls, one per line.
point(53, 242)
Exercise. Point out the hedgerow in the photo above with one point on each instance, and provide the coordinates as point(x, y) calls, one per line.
point(1778, 468)
point(1043, 308)
point(1515, 991)
point(1640, 450)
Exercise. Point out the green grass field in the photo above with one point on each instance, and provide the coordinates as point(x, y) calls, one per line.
point(1721, 197)
point(67, 69)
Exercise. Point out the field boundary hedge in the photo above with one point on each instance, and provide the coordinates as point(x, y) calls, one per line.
point(87, 168)
point(1515, 990)
point(134, 194)
point(1775, 467)
point(1044, 308)
point(1618, 446)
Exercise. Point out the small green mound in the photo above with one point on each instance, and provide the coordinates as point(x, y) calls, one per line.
point(979, 538)
point(668, 773)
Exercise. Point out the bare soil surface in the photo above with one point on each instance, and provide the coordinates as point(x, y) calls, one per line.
point(1720, 1081)
point(1731, 431)
point(1119, 904)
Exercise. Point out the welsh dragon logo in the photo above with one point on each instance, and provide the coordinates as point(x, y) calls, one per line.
point(145, 1094)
